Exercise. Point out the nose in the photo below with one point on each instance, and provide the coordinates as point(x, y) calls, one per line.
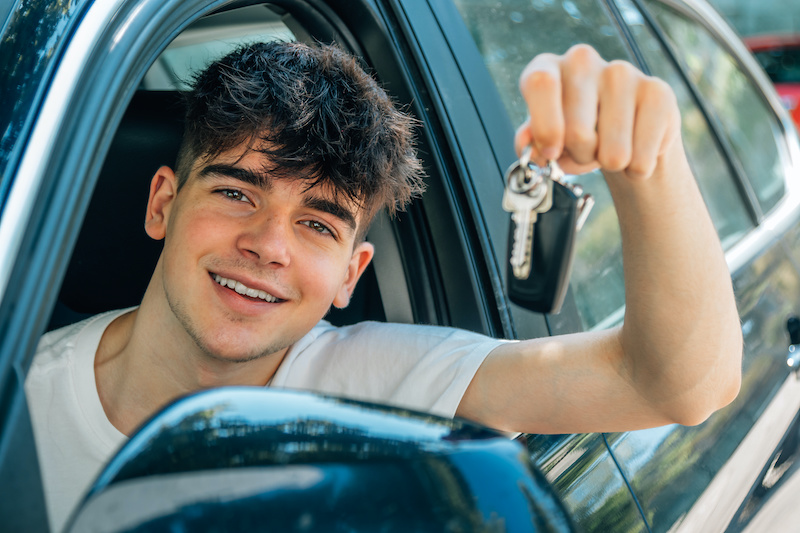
point(267, 239)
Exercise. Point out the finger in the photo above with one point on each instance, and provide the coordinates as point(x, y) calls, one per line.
point(580, 95)
point(617, 111)
point(652, 128)
point(569, 166)
point(523, 137)
point(669, 102)
point(540, 85)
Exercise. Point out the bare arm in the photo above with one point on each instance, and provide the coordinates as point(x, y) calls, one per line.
point(677, 357)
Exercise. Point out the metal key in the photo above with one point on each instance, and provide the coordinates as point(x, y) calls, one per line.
point(529, 191)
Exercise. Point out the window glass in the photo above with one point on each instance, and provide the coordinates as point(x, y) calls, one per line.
point(508, 34)
point(714, 176)
point(749, 124)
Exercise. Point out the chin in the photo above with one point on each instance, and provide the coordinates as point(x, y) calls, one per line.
point(233, 354)
point(230, 348)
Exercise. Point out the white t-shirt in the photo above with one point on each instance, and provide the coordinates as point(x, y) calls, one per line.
point(425, 368)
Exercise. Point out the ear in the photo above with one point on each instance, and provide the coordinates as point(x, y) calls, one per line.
point(362, 255)
point(163, 188)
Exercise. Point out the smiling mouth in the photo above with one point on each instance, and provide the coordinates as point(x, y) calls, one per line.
point(244, 290)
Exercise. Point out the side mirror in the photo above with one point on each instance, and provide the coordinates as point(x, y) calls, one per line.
point(251, 459)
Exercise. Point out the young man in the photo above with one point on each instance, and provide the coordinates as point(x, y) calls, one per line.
point(289, 152)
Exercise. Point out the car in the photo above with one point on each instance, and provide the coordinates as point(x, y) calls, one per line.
point(91, 92)
point(780, 57)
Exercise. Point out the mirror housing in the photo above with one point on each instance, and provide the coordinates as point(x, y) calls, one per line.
point(248, 459)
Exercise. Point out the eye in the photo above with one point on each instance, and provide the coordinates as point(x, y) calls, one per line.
point(318, 226)
point(233, 194)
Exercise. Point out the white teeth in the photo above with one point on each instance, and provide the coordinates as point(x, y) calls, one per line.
point(241, 288)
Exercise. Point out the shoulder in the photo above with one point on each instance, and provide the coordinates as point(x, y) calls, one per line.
point(403, 333)
point(56, 347)
point(415, 366)
point(379, 343)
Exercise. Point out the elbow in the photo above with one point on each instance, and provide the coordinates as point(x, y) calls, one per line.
point(722, 392)
point(732, 387)
point(702, 411)
point(719, 387)
point(703, 377)
point(727, 387)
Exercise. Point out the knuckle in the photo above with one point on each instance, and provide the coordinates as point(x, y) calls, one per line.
point(640, 168)
point(636, 175)
point(658, 94)
point(614, 158)
point(658, 90)
point(538, 81)
point(580, 136)
point(619, 72)
point(546, 134)
point(582, 54)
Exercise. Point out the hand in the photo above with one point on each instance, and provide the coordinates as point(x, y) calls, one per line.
point(588, 113)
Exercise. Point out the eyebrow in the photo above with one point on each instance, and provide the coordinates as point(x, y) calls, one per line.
point(260, 179)
point(257, 179)
point(332, 208)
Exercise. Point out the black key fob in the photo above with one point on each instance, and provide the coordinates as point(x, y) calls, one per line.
point(553, 246)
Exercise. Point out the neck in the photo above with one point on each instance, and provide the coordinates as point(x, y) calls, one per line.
point(142, 364)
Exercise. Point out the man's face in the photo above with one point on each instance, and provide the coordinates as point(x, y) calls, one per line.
point(250, 264)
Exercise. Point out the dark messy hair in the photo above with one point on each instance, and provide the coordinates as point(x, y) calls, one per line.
point(315, 114)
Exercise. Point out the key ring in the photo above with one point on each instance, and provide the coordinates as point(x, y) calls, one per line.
point(533, 174)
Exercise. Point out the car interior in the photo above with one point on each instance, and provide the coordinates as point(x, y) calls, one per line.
point(114, 256)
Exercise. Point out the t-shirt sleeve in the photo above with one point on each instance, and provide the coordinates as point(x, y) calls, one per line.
point(425, 368)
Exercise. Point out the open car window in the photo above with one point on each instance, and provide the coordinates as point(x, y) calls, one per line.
point(148, 137)
point(211, 38)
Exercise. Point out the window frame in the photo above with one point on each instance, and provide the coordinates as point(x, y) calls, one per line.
point(54, 166)
point(769, 226)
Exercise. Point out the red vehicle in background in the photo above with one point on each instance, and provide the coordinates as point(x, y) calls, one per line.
point(780, 57)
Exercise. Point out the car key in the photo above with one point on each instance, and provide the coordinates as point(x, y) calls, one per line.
point(529, 191)
point(547, 212)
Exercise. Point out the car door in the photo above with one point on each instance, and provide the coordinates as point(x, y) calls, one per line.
point(719, 474)
point(486, 46)
point(743, 152)
point(34, 38)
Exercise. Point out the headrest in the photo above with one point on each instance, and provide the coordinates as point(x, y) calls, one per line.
point(114, 258)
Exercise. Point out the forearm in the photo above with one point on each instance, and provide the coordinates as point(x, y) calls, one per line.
point(681, 338)
point(677, 356)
